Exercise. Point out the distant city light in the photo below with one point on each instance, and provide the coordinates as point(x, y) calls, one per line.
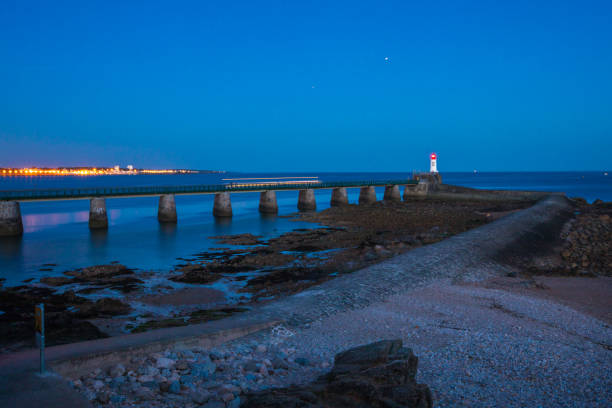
point(86, 171)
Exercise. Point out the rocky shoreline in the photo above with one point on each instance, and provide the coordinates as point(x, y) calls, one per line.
point(98, 301)
point(351, 238)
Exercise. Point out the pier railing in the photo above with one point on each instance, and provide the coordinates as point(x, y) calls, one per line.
point(82, 193)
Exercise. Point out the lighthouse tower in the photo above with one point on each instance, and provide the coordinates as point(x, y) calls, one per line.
point(433, 166)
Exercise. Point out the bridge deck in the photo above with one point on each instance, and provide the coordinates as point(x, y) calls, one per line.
point(118, 192)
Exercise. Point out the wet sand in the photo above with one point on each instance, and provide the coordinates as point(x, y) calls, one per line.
point(589, 295)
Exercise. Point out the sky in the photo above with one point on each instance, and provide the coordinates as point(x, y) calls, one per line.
point(307, 86)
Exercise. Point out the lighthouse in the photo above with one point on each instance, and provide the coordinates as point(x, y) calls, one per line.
point(433, 166)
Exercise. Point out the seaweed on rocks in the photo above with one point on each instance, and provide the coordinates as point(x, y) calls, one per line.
point(62, 325)
point(195, 317)
point(112, 276)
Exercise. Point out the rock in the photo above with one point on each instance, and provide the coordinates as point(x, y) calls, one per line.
point(251, 365)
point(145, 378)
point(117, 371)
point(103, 307)
point(186, 379)
point(214, 404)
point(163, 362)
point(203, 369)
point(117, 382)
point(175, 388)
point(103, 397)
point(228, 389)
point(380, 374)
point(105, 276)
point(182, 365)
point(261, 348)
point(200, 397)
point(164, 386)
point(227, 397)
point(188, 354)
point(235, 403)
point(151, 384)
point(216, 355)
point(56, 280)
point(302, 361)
point(100, 271)
point(98, 385)
point(144, 393)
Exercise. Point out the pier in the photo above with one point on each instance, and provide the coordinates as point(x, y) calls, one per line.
point(10, 214)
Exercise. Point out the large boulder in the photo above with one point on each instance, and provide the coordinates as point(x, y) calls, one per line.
point(376, 375)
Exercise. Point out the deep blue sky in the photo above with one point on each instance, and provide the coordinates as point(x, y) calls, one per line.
point(273, 86)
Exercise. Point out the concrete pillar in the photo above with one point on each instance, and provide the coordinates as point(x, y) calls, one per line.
point(166, 211)
point(306, 200)
point(10, 219)
point(392, 193)
point(339, 197)
point(420, 190)
point(223, 205)
point(408, 191)
point(97, 213)
point(367, 195)
point(267, 202)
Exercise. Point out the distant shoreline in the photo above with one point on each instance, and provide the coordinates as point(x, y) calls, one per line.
point(96, 171)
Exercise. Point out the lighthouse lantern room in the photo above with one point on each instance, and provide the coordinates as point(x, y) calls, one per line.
point(433, 167)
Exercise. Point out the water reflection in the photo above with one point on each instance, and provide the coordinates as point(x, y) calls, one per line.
point(223, 225)
point(98, 238)
point(167, 230)
point(10, 247)
point(267, 223)
point(37, 221)
point(167, 238)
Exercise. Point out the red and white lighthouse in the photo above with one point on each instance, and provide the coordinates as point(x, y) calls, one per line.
point(433, 166)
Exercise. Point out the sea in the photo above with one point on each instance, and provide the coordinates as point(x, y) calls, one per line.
point(57, 238)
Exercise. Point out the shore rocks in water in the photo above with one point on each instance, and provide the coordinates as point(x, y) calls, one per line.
point(196, 273)
point(246, 239)
point(113, 276)
point(104, 307)
point(61, 325)
point(380, 374)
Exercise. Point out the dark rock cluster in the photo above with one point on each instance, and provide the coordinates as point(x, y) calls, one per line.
point(113, 276)
point(380, 374)
point(63, 319)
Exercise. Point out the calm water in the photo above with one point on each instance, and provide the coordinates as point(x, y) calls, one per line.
point(57, 232)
